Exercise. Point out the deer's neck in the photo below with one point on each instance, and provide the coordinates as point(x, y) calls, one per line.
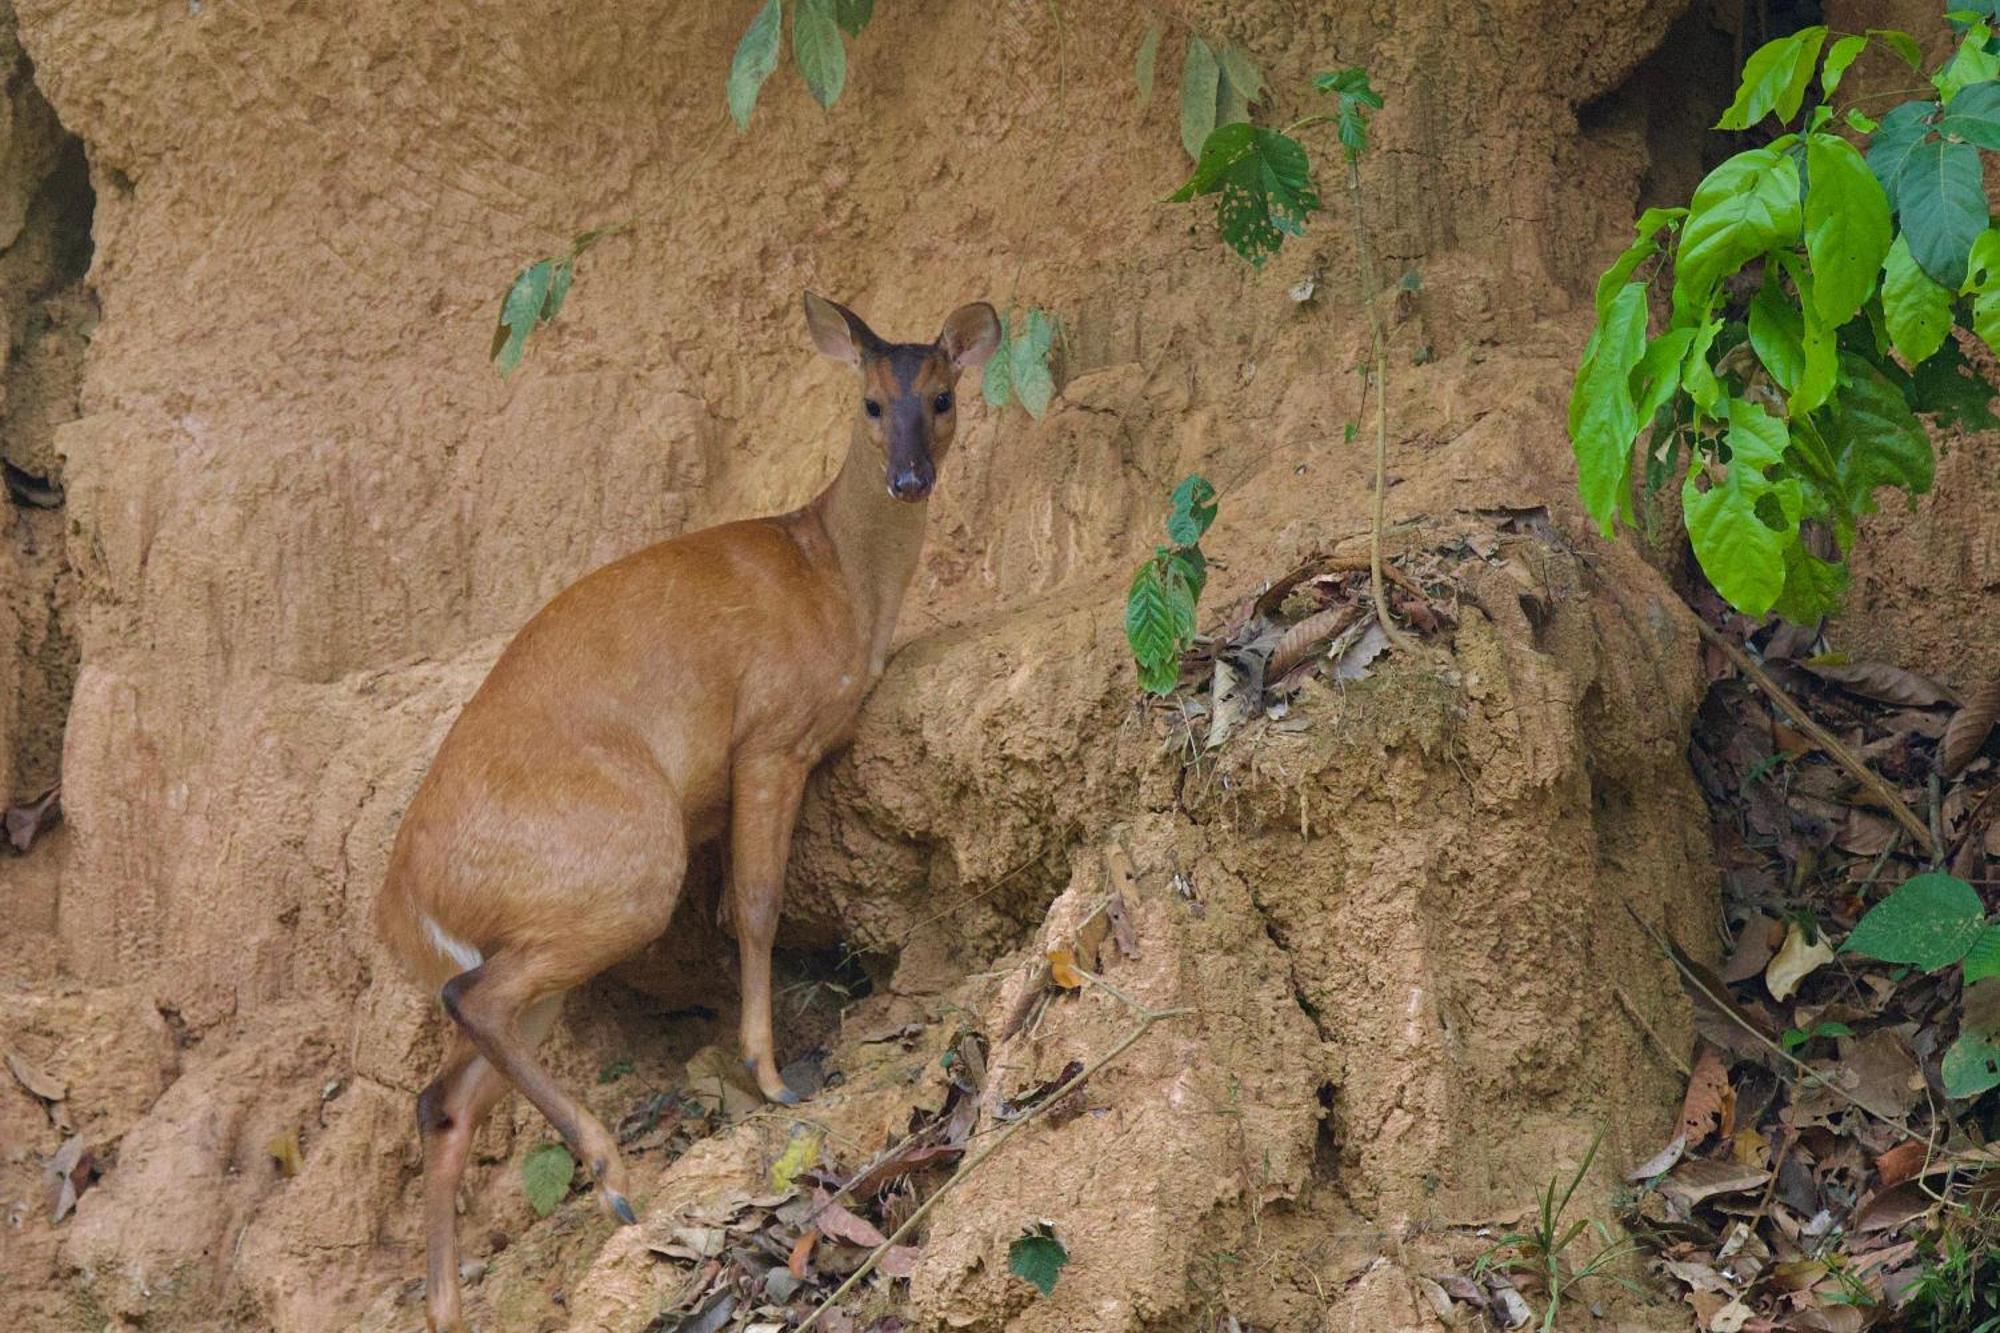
point(876, 540)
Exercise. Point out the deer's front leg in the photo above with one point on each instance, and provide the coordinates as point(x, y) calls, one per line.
point(764, 803)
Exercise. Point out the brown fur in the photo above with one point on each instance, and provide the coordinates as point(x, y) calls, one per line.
point(672, 695)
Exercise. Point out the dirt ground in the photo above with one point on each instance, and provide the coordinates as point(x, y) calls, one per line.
point(299, 513)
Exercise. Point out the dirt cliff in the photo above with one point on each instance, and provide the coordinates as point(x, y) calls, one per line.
point(299, 513)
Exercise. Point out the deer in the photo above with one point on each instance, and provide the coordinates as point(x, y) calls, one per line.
point(678, 695)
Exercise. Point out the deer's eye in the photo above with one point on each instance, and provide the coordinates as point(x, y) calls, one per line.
point(941, 404)
point(871, 407)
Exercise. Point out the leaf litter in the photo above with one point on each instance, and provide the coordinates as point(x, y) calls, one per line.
point(1817, 1165)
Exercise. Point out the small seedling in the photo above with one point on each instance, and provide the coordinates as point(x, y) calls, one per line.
point(546, 1173)
point(1019, 372)
point(1038, 1255)
point(1160, 606)
point(1542, 1251)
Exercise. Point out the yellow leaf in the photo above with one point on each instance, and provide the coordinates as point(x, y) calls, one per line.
point(1062, 968)
point(284, 1151)
point(800, 1153)
point(1794, 962)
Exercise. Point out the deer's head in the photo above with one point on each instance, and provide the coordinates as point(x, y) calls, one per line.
point(909, 391)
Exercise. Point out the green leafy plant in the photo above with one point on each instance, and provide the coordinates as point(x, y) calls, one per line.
point(1810, 289)
point(817, 49)
point(1219, 84)
point(1542, 1251)
point(1958, 1288)
point(546, 1173)
point(1263, 182)
point(1160, 605)
point(1038, 1255)
point(536, 296)
point(1019, 371)
point(1932, 921)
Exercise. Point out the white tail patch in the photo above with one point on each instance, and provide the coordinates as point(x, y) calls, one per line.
point(451, 947)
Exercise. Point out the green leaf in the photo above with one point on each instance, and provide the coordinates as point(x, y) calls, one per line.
point(1242, 83)
point(1941, 196)
point(1657, 377)
point(1901, 130)
point(1971, 64)
point(1813, 587)
point(1982, 960)
point(1193, 510)
point(853, 15)
point(1880, 441)
point(1028, 373)
point(545, 1177)
point(1742, 555)
point(1266, 186)
point(1152, 631)
point(1847, 227)
point(1356, 100)
point(1948, 386)
point(1645, 245)
point(756, 57)
point(1190, 566)
point(1902, 44)
point(1859, 121)
point(1149, 54)
point(1918, 309)
point(1697, 376)
point(1930, 921)
point(1818, 341)
point(1974, 116)
point(1747, 206)
point(1777, 332)
point(559, 280)
point(1201, 84)
point(1603, 418)
point(1038, 1256)
point(520, 311)
point(1972, 1064)
point(996, 384)
point(1838, 59)
point(817, 48)
point(1775, 79)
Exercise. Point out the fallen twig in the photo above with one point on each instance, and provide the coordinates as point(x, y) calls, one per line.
point(1884, 794)
point(1632, 1012)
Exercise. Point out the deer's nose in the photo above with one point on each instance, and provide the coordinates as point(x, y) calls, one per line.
point(912, 483)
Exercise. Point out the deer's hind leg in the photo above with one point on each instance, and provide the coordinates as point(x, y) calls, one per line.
point(449, 1113)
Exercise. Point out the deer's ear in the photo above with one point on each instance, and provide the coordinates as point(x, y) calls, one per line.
point(837, 331)
point(970, 336)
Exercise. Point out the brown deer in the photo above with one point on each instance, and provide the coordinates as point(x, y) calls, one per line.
point(673, 695)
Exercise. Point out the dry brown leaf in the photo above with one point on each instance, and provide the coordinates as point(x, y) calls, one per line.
point(1795, 961)
point(899, 1261)
point(837, 1223)
point(1299, 641)
point(1701, 1179)
point(1708, 1085)
point(800, 1262)
point(1062, 968)
point(1901, 1162)
point(1865, 833)
point(1966, 734)
point(1883, 683)
point(283, 1150)
point(69, 1171)
point(1748, 1147)
point(1662, 1161)
point(35, 1081)
point(1755, 944)
point(1122, 934)
point(1894, 1207)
